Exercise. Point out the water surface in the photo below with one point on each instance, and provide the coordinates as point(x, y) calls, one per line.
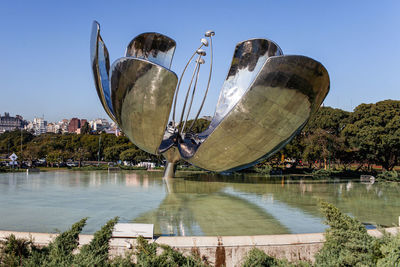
point(188, 205)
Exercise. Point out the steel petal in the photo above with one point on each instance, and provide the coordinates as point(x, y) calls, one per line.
point(154, 47)
point(101, 67)
point(142, 94)
point(248, 59)
point(274, 109)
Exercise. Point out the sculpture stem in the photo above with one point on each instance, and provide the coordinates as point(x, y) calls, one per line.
point(170, 169)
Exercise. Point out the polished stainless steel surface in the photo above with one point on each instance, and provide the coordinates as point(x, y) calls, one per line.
point(199, 62)
point(154, 47)
point(195, 74)
point(266, 99)
point(277, 106)
point(248, 59)
point(204, 42)
point(101, 67)
point(207, 34)
point(142, 95)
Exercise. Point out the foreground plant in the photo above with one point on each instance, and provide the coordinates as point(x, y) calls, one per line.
point(146, 255)
point(258, 258)
point(347, 244)
point(13, 250)
point(60, 252)
point(63, 251)
point(390, 252)
point(347, 241)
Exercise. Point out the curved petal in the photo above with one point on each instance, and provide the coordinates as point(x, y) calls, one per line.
point(154, 47)
point(142, 94)
point(248, 59)
point(274, 109)
point(101, 67)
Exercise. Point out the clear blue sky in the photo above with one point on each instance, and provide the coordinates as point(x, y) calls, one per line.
point(44, 46)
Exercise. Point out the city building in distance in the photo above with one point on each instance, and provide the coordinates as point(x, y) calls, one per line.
point(40, 126)
point(8, 123)
point(74, 125)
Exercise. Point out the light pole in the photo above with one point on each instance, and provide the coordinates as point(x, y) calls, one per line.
point(98, 152)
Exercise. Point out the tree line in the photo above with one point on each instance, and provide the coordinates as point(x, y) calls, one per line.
point(57, 148)
point(370, 135)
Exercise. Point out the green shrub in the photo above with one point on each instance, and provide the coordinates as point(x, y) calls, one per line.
point(14, 250)
point(96, 252)
point(347, 244)
point(265, 169)
point(390, 252)
point(61, 252)
point(132, 168)
point(258, 258)
point(389, 176)
point(146, 255)
point(321, 173)
point(347, 241)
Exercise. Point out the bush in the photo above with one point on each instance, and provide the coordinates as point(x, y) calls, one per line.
point(14, 250)
point(61, 252)
point(390, 252)
point(132, 167)
point(389, 176)
point(146, 255)
point(347, 241)
point(347, 244)
point(258, 258)
point(265, 169)
point(321, 173)
point(96, 252)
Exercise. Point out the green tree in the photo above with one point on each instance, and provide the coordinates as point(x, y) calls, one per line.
point(54, 156)
point(80, 154)
point(332, 120)
point(321, 145)
point(31, 153)
point(11, 141)
point(320, 139)
point(374, 131)
point(112, 153)
point(128, 155)
point(199, 126)
point(294, 149)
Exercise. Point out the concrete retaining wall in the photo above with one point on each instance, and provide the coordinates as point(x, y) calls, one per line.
point(219, 250)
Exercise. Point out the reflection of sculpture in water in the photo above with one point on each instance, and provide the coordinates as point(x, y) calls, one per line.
point(266, 99)
point(190, 206)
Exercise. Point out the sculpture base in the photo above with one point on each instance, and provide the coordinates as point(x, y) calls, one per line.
point(170, 169)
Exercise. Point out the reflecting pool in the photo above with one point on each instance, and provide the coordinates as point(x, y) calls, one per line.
point(192, 204)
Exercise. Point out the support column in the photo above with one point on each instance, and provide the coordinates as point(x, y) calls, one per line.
point(170, 169)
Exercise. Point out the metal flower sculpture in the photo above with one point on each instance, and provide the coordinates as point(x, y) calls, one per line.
point(266, 99)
